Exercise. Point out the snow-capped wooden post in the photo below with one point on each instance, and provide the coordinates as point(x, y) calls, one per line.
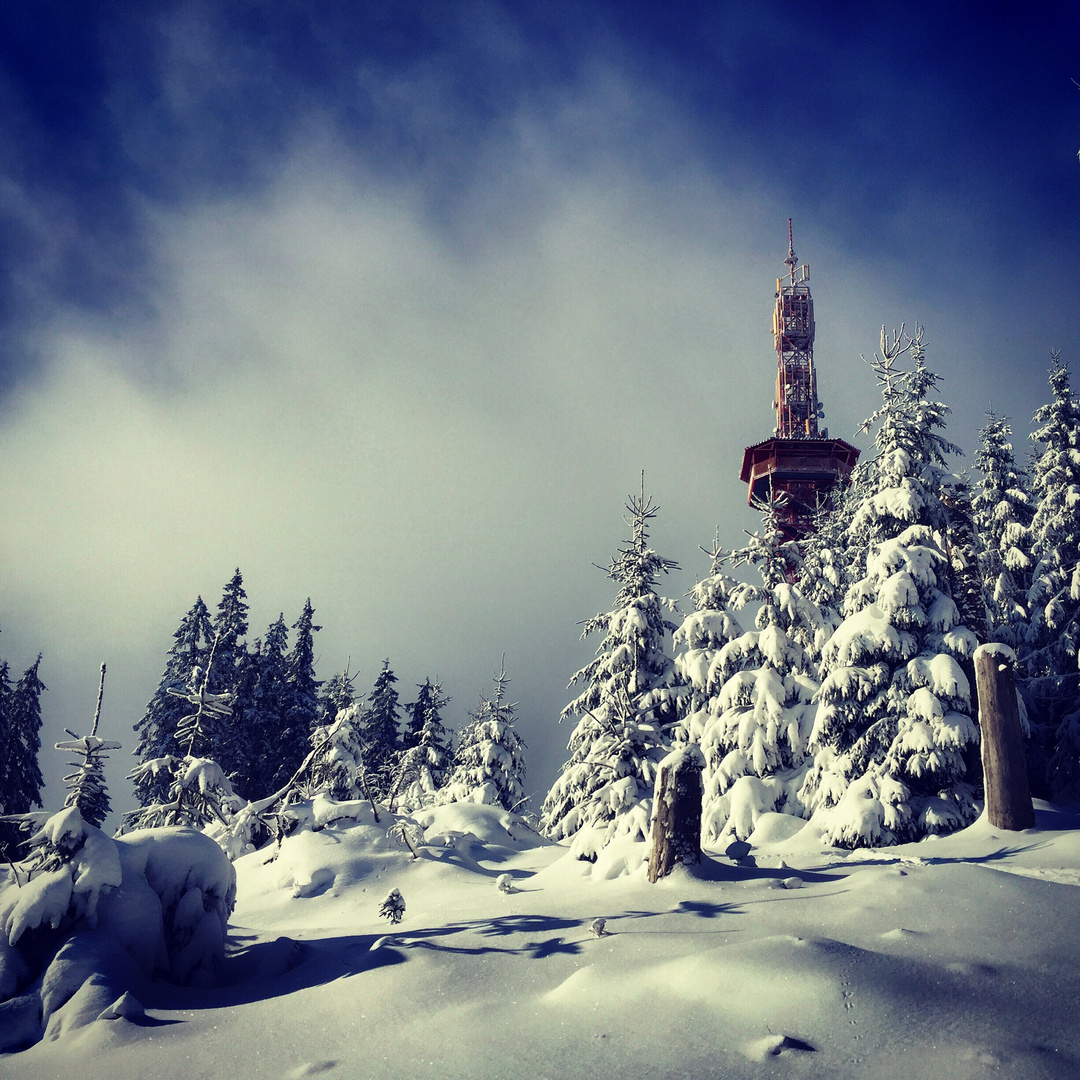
point(676, 824)
point(1008, 796)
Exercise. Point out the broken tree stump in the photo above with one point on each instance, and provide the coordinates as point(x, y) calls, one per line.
point(1008, 795)
point(676, 826)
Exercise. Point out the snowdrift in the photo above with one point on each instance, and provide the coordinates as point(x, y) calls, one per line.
point(953, 957)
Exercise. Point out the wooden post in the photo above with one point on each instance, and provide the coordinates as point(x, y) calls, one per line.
point(1008, 796)
point(676, 828)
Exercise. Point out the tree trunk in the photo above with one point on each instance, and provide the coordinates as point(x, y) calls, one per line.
point(676, 829)
point(1008, 796)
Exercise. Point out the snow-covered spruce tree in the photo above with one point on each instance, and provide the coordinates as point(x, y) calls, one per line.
point(426, 759)
point(20, 743)
point(298, 711)
point(87, 792)
point(759, 717)
point(232, 674)
point(895, 708)
point(70, 860)
point(381, 719)
point(335, 694)
point(1049, 657)
point(161, 900)
point(703, 633)
point(266, 703)
point(157, 727)
point(961, 547)
point(336, 763)
point(1002, 513)
point(489, 766)
point(199, 793)
point(626, 710)
point(825, 573)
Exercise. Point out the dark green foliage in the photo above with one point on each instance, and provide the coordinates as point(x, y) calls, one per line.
point(426, 755)
point(380, 722)
point(157, 727)
point(20, 743)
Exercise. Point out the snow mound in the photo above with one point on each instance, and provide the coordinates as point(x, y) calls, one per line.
point(82, 938)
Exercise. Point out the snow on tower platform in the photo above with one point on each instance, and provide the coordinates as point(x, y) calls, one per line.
point(799, 461)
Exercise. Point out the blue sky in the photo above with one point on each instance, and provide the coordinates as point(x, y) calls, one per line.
point(389, 304)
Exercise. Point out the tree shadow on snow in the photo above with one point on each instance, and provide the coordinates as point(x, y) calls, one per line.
point(500, 927)
point(256, 970)
point(860, 858)
point(725, 871)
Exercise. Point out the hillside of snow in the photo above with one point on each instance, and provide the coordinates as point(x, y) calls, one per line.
point(955, 957)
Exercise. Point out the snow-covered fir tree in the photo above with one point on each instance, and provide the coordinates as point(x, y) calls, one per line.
point(20, 744)
point(87, 791)
point(1049, 657)
point(199, 793)
point(70, 861)
point(825, 573)
point(489, 766)
point(266, 703)
point(230, 631)
point(711, 624)
point(381, 719)
point(157, 727)
point(426, 759)
point(1002, 512)
point(299, 710)
point(335, 694)
point(336, 763)
point(894, 719)
point(626, 709)
point(758, 718)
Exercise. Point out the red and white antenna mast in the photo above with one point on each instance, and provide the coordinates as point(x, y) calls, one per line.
point(799, 464)
point(797, 407)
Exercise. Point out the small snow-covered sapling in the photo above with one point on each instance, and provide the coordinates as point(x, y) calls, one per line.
point(505, 883)
point(599, 928)
point(393, 907)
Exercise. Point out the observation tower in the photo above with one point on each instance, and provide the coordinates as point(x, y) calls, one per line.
point(799, 461)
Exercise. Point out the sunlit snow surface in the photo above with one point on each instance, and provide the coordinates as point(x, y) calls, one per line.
point(956, 957)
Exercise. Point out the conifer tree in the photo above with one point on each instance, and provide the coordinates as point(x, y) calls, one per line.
point(1049, 657)
point(20, 744)
point(199, 793)
point(6, 783)
point(267, 704)
point(230, 629)
point(335, 694)
point(626, 709)
point(87, 791)
point(231, 675)
point(700, 638)
point(381, 719)
point(69, 845)
point(759, 717)
point(336, 763)
point(895, 707)
point(1002, 512)
point(299, 708)
point(426, 758)
point(157, 727)
point(25, 781)
point(489, 766)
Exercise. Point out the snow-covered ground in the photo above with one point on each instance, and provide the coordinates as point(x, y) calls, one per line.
point(957, 957)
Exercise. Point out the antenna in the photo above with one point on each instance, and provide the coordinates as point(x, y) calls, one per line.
point(792, 259)
point(799, 463)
